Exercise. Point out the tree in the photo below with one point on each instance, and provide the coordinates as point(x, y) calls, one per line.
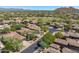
point(11, 44)
point(49, 38)
point(40, 22)
point(5, 30)
point(44, 28)
point(68, 26)
point(30, 36)
point(16, 27)
point(46, 40)
point(43, 44)
point(59, 35)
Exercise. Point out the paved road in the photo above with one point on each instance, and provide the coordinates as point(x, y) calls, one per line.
point(35, 46)
point(31, 48)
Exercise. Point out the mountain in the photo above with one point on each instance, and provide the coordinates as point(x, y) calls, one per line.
point(10, 9)
point(16, 9)
point(67, 10)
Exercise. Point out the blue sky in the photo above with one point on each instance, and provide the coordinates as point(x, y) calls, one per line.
point(36, 7)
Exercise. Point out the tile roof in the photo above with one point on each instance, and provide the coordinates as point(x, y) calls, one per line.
point(15, 35)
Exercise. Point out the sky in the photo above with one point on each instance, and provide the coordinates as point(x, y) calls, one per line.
point(37, 7)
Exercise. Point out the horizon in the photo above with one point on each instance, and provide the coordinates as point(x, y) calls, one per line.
point(37, 7)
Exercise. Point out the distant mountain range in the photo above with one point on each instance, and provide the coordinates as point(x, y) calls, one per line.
point(10, 9)
point(58, 10)
point(16, 9)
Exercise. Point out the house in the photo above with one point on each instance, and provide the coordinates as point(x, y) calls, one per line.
point(61, 42)
point(66, 34)
point(4, 26)
point(51, 50)
point(74, 35)
point(23, 31)
point(33, 22)
point(56, 46)
point(67, 50)
point(25, 22)
point(14, 35)
point(34, 27)
point(18, 21)
point(75, 26)
point(71, 34)
point(8, 21)
point(72, 42)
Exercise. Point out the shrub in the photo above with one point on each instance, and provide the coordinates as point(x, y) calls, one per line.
point(49, 38)
point(5, 30)
point(59, 35)
point(77, 30)
point(68, 26)
point(16, 27)
point(43, 44)
point(11, 44)
point(44, 28)
point(46, 40)
point(30, 36)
